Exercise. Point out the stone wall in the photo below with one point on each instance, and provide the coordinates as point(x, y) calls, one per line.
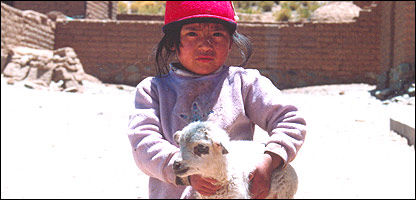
point(59, 69)
point(75, 9)
point(101, 9)
point(27, 53)
point(69, 8)
point(26, 28)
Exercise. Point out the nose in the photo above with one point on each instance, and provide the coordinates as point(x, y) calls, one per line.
point(176, 165)
point(209, 41)
point(206, 44)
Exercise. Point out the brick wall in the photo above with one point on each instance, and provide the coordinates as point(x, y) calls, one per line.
point(402, 72)
point(140, 17)
point(387, 31)
point(301, 54)
point(397, 44)
point(113, 51)
point(290, 54)
point(404, 37)
point(26, 28)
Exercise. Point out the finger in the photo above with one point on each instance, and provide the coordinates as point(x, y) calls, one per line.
point(258, 192)
point(250, 176)
point(260, 195)
point(254, 191)
point(211, 180)
point(206, 191)
point(263, 195)
point(210, 183)
point(198, 180)
point(210, 186)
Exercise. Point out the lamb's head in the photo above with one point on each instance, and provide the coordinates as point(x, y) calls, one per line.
point(202, 149)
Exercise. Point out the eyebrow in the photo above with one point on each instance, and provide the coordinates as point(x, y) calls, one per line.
point(197, 27)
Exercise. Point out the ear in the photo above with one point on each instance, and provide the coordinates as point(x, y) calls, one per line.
point(222, 148)
point(176, 136)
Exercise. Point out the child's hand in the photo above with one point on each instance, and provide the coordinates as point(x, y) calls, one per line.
point(205, 186)
point(260, 177)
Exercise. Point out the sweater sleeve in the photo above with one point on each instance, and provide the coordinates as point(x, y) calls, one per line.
point(153, 154)
point(266, 106)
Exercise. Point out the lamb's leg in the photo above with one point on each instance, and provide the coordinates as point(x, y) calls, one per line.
point(284, 184)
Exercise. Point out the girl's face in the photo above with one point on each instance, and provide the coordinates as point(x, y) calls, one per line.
point(204, 47)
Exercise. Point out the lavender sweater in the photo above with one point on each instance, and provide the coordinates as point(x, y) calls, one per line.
point(233, 97)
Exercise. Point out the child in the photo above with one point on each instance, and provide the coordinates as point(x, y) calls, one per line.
point(200, 87)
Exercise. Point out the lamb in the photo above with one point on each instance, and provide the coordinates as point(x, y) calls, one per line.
point(206, 149)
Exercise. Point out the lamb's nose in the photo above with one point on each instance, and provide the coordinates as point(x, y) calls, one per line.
point(176, 165)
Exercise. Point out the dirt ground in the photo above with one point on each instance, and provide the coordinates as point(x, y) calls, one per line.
point(71, 145)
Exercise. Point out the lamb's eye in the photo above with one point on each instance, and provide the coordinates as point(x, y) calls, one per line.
point(201, 149)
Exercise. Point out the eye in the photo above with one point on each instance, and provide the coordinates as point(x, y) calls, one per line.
point(191, 34)
point(201, 149)
point(218, 34)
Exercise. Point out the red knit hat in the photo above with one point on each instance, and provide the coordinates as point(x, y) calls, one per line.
point(179, 13)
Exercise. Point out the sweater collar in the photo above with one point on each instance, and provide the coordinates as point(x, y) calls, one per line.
point(178, 69)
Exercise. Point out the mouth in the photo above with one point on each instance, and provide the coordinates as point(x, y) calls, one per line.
point(205, 59)
point(181, 171)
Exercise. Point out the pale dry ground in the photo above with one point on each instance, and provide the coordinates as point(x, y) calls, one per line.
point(65, 145)
point(349, 151)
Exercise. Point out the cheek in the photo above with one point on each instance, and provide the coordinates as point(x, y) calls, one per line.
point(187, 45)
point(185, 51)
point(223, 52)
point(224, 46)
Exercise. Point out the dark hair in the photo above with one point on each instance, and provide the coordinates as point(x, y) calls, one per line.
point(171, 41)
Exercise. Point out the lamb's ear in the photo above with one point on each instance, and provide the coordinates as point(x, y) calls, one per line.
point(176, 136)
point(223, 149)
